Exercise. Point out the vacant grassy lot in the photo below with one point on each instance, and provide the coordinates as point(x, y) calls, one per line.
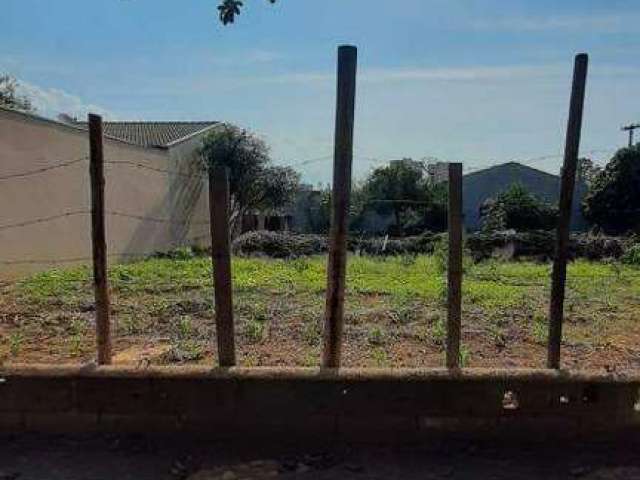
point(396, 314)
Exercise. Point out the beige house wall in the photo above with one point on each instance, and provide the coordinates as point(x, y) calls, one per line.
point(147, 210)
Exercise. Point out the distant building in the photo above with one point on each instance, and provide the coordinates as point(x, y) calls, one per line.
point(437, 172)
point(488, 183)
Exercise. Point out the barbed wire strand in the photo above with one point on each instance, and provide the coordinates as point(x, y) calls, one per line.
point(38, 171)
point(108, 212)
point(155, 169)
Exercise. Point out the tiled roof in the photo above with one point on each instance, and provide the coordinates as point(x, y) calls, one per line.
point(152, 134)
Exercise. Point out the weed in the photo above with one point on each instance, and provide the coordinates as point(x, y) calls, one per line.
point(254, 330)
point(539, 329)
point(299, 265)
point(380, 357)
point(403, 310)
point(185, 345)
point(15, 342)
point(310, 360)
point(131, 324)
point(408, 259)
point(311, 333)
point(498, 336)
point(76, 345)
point(376, 336)
point(465, 356)
point(439, 332)
point(251, 360)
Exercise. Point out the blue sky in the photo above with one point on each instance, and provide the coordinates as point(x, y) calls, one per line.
point(480, 82)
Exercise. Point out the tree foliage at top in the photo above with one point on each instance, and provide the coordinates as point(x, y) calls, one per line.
point(403, 190)
point(9, 98)
point(229, 9)
point(254, 183)
point(518, 209)
point(588, 171)
point(613, 200)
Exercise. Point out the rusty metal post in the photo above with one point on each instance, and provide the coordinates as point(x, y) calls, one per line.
point(454, 270)
point(343, 159)
point(572, 147)
point(98, 240)
point(221, 259)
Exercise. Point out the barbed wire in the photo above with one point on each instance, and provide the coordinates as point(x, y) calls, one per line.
point(44, 219)
point(108, 212)
point(155, 169)
point(38, 171)
point(55, 261)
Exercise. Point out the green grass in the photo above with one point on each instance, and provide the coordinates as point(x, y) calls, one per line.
point(388, 300)
point(489, 285)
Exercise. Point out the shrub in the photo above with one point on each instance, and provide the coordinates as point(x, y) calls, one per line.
point(541, 244)
point(284, 245)
point(279, 245)
point(517, 208)
point(632, 255)
point(538, 244)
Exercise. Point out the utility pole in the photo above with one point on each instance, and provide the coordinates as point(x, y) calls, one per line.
point(630, 129)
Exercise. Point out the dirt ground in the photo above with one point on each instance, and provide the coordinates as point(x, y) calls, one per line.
point(162, 313)
point(36, 457)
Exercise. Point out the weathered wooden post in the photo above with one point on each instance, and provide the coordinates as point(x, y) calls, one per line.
point(221, 259)
point(343, 158)
point(454, 270)
point(98, 240)
point(572, 147)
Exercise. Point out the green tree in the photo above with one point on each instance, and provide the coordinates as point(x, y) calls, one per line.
point(613, 199)
point(254, 183)
point(403, 190)
point(9, 98)
point(398, 188)
point(229, 9)
point(516, 208)
point(587, 170)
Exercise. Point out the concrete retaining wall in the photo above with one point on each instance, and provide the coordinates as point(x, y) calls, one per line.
point(350, 404)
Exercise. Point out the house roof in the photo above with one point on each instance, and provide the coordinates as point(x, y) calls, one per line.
point(153, 134)
point(514, 166)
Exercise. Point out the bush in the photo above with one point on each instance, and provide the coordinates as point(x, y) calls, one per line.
point(516, 208)
point(541, 244)
point(596, 247)
point(538, 244)
point(632, 255)
point(279, 245)
point(284, 245)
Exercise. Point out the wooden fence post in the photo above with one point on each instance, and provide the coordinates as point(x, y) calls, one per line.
point(454, 270)
point(221, 259)
point(343, 159)
point(98, 240)
point(572, 146)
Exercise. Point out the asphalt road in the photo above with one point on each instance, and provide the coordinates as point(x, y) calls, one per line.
point(36, 457)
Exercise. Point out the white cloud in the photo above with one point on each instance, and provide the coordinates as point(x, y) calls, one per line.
point(601, 23)
point(383, 75)
point(50, 102)
point(460, 74)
